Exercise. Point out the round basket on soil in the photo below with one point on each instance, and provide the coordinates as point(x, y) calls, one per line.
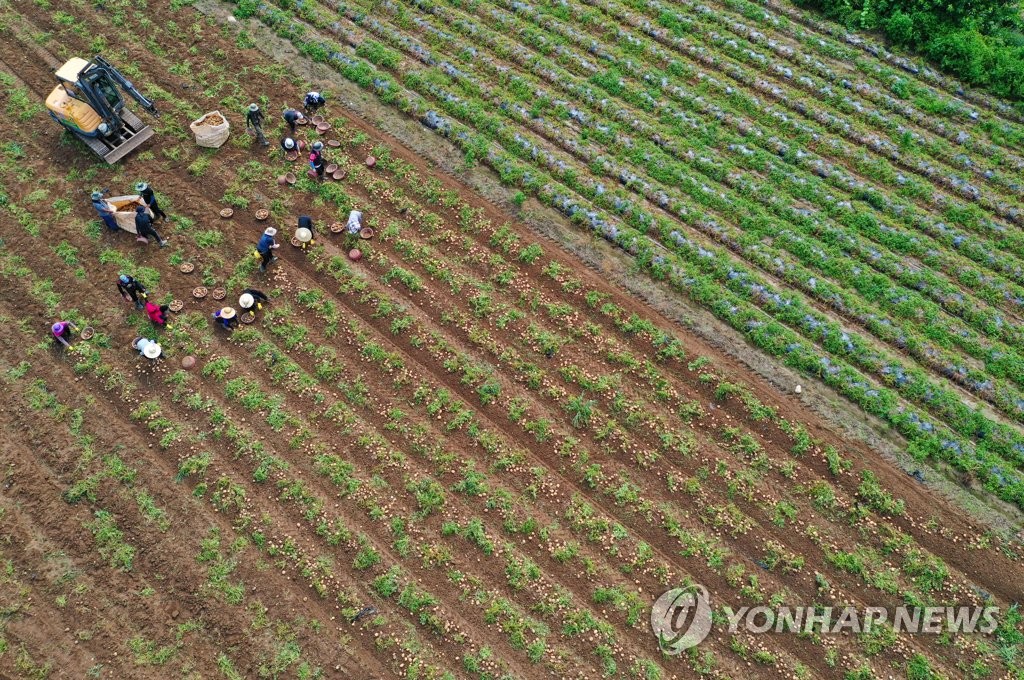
point(176, 305)
point(187, 268)
point(248, 317)
point(296, 242)
point(366, 232)
point(227, 212)
point(219, 294)
point(87, 332)
point(303, 121)
point(355, 254)
point(317, 119)
point(292, 156)
point(311, 173)
point(333, 142)
point(290, 178)
point(339, 174)
point(188, 362)
point(332, 168)
point(199, 292)
point(323, 127)
point(262, 214)
point(370, 161)
point(281, 180)
point(337, 227)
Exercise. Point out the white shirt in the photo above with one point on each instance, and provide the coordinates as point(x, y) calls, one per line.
point(143, 344)
point(354, 221)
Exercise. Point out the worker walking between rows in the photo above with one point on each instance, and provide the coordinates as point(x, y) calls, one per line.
point(149, 198)
point(144, 226)
point(266, 248)
point(105, 209)
point(254, 121)
point(131, 290)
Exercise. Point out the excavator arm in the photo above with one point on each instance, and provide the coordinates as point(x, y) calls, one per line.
point(117, 77)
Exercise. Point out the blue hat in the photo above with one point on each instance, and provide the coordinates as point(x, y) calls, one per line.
point(124, 278)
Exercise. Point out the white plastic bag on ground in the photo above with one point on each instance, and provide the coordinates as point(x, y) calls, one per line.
point(211, 130)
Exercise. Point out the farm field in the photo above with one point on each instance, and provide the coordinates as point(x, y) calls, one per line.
point(467, 454)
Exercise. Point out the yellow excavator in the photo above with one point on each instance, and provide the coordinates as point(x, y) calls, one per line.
point(87, 102)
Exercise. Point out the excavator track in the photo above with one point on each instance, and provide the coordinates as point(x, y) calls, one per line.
point(135, 131)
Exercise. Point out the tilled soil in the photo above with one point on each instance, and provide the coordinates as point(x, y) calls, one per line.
point(174, 611)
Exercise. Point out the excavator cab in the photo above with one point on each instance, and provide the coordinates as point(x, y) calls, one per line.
point(87, 102)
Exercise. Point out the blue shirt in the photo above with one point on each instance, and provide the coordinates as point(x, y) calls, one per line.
point(102, 207)
point(265, 243)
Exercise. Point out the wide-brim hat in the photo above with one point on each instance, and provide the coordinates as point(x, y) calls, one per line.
point(97, 195)
point(151, 351)
point(289, 143)
point(303, 234)
point(318, 145)
point(246, 301)
point(254, 107)
point(141, 186)
point(124, 278)
point(227, 313)
point(270, 231)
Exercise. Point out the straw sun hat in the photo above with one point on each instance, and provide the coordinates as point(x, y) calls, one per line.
point(246, 301)
point(227, 313)
point(151, 351)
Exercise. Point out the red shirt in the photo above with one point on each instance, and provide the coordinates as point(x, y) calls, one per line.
point(155, 314)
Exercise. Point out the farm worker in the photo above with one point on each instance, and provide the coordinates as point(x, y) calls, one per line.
point(147, 348)
point(150, 199)
point(62, 332)
point(254, 120)
point(157, 313)
point(313, 101)
point(354, 222)
point(251, 297)
point(289, 145)
point(316, 159)
point(292, 117)
point(226, 316)
point(104, 209)
point(144, 226)
point(131, 290)
point(306, 222)
point(266, 247)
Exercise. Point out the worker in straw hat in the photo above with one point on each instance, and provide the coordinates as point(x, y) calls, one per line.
point(254, 121)
point(226, 316)
point(290, 145)
point(146, 192)
point(147, 348)
point(305, 222)
point(266, 247)
point(250, 298)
